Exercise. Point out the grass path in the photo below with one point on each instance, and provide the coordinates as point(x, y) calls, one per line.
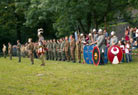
point(62, 78)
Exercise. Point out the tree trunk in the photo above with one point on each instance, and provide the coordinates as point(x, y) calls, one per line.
point(88, 22)
point(18, 33)
point(105, 22)
point(81, 26)
point(95, 22)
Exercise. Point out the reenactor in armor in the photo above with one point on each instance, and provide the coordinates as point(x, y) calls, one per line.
point(95, 35)
point(101, 45)
point(114, 39)
point(41, 52)
point(90, 39)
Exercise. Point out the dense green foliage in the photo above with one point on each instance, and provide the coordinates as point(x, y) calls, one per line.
point(64, 78)
point(20, 19)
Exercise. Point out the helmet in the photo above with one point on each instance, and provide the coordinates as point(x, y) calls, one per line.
point(94, 30)
point(112, 33)
point(90, 34)
point(137, 30)
point(81, 34)
point(30, 40)
point(100, 31)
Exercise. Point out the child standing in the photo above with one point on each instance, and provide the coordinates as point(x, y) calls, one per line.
point(127, 52)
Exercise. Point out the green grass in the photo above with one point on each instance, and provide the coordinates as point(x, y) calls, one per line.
point(62, 78)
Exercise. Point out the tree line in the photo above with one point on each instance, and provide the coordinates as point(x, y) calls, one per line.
point(20, 19)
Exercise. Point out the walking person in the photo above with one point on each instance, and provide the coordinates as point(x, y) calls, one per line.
point(31, 50)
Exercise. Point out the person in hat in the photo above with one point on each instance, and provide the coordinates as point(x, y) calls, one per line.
point(83, 43)
point(40, 32)
point(113, 39)
point(90, 39)
point(31, 50)
point(95, 35)
point(101, 45)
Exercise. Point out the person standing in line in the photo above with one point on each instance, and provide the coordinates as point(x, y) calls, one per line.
point(101, 45)
point(58, 50)
point(54, 49)
point(78, 43)
point(114, 39)
point(72, 48)
point(19, 50)
point(67, 45)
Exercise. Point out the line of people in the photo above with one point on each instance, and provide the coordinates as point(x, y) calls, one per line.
point(70, 48)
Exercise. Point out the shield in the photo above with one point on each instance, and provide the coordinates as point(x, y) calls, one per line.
point(90, 53)
point(96, 56)
point(85, 54)
point(115, 54)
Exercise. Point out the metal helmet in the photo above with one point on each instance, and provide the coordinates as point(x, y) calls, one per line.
point(94, 30)
point(100, 31)
point(112, 33)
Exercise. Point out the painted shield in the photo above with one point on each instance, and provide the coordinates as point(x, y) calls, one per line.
point(105, 56)
point(96, 56)
point(115, 54)
point(85, 54)
point(90, 53)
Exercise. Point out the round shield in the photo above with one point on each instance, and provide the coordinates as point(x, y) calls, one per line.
point(90, 53)
point(85, 54)
point(96, 56)
point(105, 56)
point(115, 54)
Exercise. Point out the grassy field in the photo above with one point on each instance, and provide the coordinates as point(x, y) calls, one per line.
point(62, 78)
